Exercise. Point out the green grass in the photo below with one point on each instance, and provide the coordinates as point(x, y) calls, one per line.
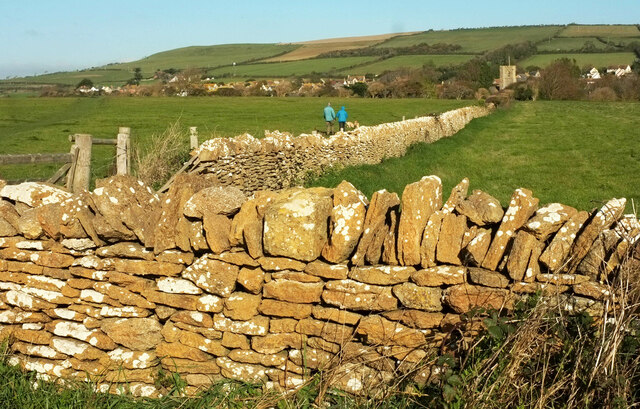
point(42, 125)
point(477, 40)
point(577, 153)
point(600, 31)
point(290, 68)
point(569, 44)
point(411, 61)
point(596, 59)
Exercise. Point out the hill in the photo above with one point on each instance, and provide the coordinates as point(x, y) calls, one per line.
point(338, 57)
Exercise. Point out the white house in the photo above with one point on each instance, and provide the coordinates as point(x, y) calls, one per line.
point(594, 74)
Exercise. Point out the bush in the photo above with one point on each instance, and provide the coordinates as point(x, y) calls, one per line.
point(603, 94)
point(523, 93)
point(227, 92)
point(85, 82)
point(359, 89)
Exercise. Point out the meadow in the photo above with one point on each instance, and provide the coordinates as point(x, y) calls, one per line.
point(569, 44)
point(410, 61)
point(42, 125)
point(576, 153)
point(477, 40)
point(597, 60)
point(600, 31)
point(291, 68)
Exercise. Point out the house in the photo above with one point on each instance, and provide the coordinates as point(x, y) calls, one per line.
point(619, 70)
point(594, 74)
point(352, 79)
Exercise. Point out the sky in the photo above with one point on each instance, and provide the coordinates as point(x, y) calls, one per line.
point(38, 36)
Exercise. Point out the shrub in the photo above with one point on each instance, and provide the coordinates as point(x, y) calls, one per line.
point(603, 94)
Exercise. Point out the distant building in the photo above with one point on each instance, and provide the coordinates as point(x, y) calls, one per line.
point(507, 76)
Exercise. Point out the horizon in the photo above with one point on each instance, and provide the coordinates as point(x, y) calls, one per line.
point(70, 35)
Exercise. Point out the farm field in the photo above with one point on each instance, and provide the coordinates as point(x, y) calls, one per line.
point(479, 39)
point(569, 44)
point(410, 61)
point(576, 153)
point(598, 60)
point(302, 67)
point(42, 125)
point(600, 31)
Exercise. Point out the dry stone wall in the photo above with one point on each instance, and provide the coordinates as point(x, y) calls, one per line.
point(120, 285)
point(279, 161)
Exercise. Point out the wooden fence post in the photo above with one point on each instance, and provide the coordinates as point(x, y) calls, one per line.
point(82, 169)
point(123, 156)
point(194, 137)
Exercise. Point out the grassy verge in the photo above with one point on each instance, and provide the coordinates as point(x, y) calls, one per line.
point(576, 153)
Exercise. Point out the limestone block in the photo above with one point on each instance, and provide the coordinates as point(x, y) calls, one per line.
point(34, 194)
point(419, 201)
point(235, 341)
point(125, 249)
point(602, 220)
point(487, 278)
point(293, 291)
point(217, 228)
point(276, 308)
point(241, 372)
point(381, 275)
point(252, 357)
point(187, 366)
point(477, 248)
point(29, 226)
point(440, 275)
point(195, 318)
point(415, 318)
point(555, 254)
point(25, 301)
point(32, 336)
point(357, 296)
point(133, 333)
point(178, 350)
point(173, 285)
point(252, 279)
point(346, 223)
point(258, 325)
point(544, 289)
point(457, 196)
point(241, 306)
point(382, 203)
point(213, 347)
point(328, 331)
point(417, 297)
point(335, 315)
point(274, 343)
point(216, 200)
point(520, 255)
point(449, 244)
point(481, 208)
point(521, 207)
point(549, 219)
point(380, 331)
point(295, 224)
point(328, 271)
point(430, 238)
point(213, 276)
point(80, 332)
point(593, 290)
point(247, 225)
point(132, 359)
point(464, 297)
point(280, 263)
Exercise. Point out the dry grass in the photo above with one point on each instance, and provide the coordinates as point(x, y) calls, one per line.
point(156, 161)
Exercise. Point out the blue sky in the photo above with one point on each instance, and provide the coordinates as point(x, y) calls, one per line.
point(54, 35)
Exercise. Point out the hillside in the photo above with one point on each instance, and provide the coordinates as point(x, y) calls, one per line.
point(599, 45)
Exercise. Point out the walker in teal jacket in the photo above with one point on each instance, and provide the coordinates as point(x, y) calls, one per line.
point(342, 118)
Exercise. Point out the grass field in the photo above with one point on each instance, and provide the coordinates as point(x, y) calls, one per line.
point(569, 44)
point(577, 153)
point(600, 31)
point(320, 65)
point(597, 60)
point(315, 49)
point(411, 61)
point(41, 125)
point(477, 40)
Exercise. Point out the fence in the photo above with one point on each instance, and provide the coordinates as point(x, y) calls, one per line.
point(77, 163)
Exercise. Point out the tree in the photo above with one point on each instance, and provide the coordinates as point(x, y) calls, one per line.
point(560, 80)
point(359, 89)
point(85, 82)
point(137, 76)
